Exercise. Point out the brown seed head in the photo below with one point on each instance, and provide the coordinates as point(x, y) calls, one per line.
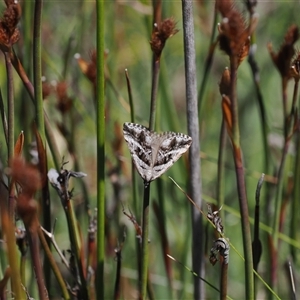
point(26, 175)
point(234, 34)
point(224, 7)
point(46, 89)
point(160, 34)
point(244, 51)
point(9, 34)
point(89, 69)
point(11, 16)
point(282, 59)
point(64, 102)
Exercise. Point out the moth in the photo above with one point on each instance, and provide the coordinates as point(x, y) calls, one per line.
point(152, 153)
point(221, 245)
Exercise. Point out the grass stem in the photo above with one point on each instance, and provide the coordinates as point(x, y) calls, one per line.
point(240, 177)
point(100, 125)
point(37, 68)
point(10, 105)
point(154, 87)
point(145, 246)
point(193, 131)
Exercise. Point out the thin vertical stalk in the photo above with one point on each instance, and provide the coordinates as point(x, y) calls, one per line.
point(260, 100)
point(208, 61)
point(133, 180)
point(194, 153)
point(36, 261)
point(294, 225)
point(12, 252)
point(145, 248)
point(76, 244)
point(11, 126)
point(161, 215)
point(146, 201)
point(4, 119)
point(155, 78)
point(240, 177)
point(288, 134)
point(221, 168)
point(224, 276)
point(278, 199)
point(37, 68)
point(10, 105)
point(100, 119)
point(284, 102)
point(52, 262)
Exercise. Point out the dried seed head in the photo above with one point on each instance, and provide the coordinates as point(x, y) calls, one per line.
point(160, 34)
point(11, 16)
point(26, 175)
point(244, 51)
point(29, 179)
point(64, 102)
point(9, 34)
point(234, 34)
point(282, 59)
point(89, 69)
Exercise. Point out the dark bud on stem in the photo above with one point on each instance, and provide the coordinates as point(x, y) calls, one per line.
point(161, 32)
point(282, 59)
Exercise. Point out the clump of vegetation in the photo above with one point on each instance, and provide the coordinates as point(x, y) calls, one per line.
point(186, 96)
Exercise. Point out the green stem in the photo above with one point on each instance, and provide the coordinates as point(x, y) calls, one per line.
point(278, 200)
point(161, 215)
point(100, 119)
point(155, 78)
point(221, 169)
point(131, 104)
point(145, 248)
point(10, 105)
point(208, 62)
point(52, 143)
point(31, 231)
point(12, 254)
point(76, 245)
point(194, 151)
point(56, 271)
point(4, 119)
point(262, 110)
point(295, 203)
point(284, 101)
point(11, 126)
point(37, 68)
point(240, 177)
point(133, 180)
point(224, 276)
point(288, 134)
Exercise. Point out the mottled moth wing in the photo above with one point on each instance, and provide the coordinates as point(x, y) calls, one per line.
point(172, 146)
point(138, 139)
point(152, 153)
